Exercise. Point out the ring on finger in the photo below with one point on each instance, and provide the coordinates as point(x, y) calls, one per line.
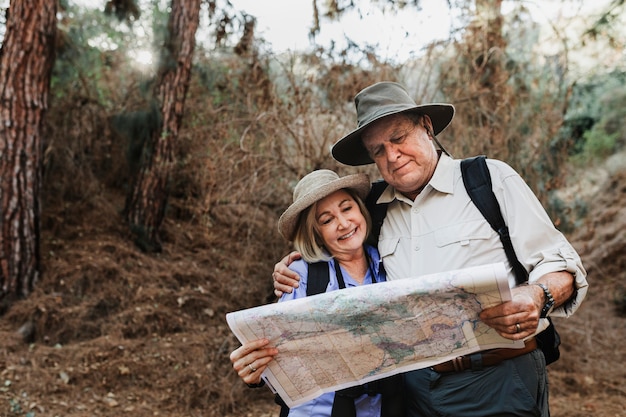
point(518, 328)
point(251, 368)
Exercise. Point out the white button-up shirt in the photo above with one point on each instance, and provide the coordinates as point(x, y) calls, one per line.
point(442, 230)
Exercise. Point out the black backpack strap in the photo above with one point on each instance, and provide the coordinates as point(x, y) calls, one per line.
point(377, 211)
point(477, 180)
point(284, 409)
point(318, 278)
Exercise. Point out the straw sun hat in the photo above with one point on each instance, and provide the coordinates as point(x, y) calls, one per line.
point(380, 100)
point(313, 187)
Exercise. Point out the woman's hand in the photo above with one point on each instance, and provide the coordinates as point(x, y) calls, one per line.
point(251, 359)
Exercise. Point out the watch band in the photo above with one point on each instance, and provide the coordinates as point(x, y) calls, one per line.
point(549, 300)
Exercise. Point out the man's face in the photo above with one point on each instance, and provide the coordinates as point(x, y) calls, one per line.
point(403, 152)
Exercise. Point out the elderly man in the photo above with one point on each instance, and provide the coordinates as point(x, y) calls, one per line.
point(431, 225)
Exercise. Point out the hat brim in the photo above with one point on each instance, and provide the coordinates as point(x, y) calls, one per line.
point(360, 183)
point(349, 149)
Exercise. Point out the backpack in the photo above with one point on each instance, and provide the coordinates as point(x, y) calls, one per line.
point(477, 181)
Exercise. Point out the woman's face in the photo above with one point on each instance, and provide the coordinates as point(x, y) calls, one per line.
point(341, 224)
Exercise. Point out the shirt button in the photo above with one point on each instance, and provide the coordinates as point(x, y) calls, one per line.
point(416, 209)
point(417, 247)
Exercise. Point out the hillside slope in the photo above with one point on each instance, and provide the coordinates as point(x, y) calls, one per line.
point(111, 331)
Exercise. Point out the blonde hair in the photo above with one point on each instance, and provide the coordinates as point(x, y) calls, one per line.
point(308, 240)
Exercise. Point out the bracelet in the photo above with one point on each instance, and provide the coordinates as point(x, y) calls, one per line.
point(257, 385)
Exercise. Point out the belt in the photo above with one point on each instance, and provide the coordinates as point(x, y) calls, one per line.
point(478, 360)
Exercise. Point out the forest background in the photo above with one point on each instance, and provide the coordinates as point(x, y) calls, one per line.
point(151, 148)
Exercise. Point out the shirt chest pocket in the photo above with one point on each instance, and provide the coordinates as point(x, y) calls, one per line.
point(463, 233)
point(388, 246)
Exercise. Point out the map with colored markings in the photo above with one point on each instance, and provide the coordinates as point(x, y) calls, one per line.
point(343, 338)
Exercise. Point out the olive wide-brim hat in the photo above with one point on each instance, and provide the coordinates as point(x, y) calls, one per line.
point(312, 188)
point(380, 100)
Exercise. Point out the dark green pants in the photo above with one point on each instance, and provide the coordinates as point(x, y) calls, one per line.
point(517, 387)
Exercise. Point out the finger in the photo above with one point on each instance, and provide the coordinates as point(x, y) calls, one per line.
point(293, 256)
point(283, 265)
point(245, 368)
point(512, 335)
point(257, 357)
point(278, 293)
point(288, 288)
point(246, 349)
point(282, 273)
point(512, 325)
point(252, 366)
point(285, 279)
point(258, 365)
point(260, 356)
point(254, 374)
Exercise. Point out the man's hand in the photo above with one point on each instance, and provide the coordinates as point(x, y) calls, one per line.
point(285, 280)
point(518, 318)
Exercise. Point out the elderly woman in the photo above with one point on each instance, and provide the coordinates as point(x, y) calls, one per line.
point(328, 222)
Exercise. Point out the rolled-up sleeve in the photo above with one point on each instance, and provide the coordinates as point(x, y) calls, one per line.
point(564, 259)
point(539, 245)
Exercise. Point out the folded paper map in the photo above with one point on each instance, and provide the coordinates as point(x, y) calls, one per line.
point(343, 338)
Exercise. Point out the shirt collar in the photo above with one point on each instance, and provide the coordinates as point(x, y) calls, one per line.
point(443, 178)
point(442, 181)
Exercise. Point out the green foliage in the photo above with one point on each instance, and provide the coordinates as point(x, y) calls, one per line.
point(594, 125)
point(104, 54)
point(598, 144)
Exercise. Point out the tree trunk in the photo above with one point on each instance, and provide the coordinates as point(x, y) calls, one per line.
point(490, 76)
point(146, 203)
point(26, 61)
